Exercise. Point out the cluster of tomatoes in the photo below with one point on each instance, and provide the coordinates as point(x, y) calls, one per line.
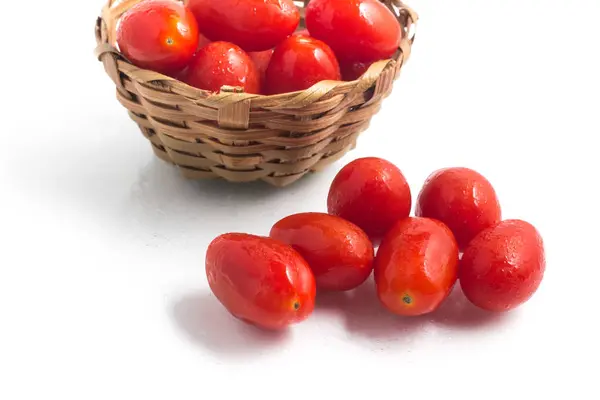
point(255, 44)
point(272, 281)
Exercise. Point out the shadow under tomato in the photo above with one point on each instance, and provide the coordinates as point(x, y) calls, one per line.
point(208, 324)
point(365, 316)
point(161, 184)
point(162, 199)
point(457, 311)
point(140, 195)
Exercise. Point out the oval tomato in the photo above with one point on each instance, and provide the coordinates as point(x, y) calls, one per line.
point(160, 35)
point(372, 193)
point(338, 252)
point(222, 63)
point(503, 266)
point(254, 25)
point(298, 63)
point(260, 280)
point(461, 198)
point(416, 266)
point(357, 30)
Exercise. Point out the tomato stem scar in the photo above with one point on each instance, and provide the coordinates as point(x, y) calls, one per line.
point(169, 41)
point(296, 305)
point(407, 299)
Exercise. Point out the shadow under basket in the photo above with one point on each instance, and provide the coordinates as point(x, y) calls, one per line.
point(244, 137)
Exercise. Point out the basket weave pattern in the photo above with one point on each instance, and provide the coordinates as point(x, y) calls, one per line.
point(244, 137)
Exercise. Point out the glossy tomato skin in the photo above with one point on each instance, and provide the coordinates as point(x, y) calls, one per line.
point(503, 266)
point(222, 63)
point(298, 63)
point(202, 41)
point(160, 35)
point(416, 266)
point(254, 25)
point(260, 280)
point(352, 70)
point(357, 30)
point(338, 252)
point(372, 193)
point(461, 198)
point(261, 60)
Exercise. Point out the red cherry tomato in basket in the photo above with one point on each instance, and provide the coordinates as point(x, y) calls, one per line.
point(461, 198)
point(160, 35)
point(254, 25)
point(260, 280)
point(503, 266)
point(338, 252)
point(357, 30)
point(222, 63)
point(202, 41)
point(372, 193)
point(416, 266)
point(352, 70)
point(261, 60)
point(298, 63)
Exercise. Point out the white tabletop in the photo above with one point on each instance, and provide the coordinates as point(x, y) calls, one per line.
point(103, 293)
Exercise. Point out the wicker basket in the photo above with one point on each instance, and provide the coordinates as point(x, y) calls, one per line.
point(244, 137)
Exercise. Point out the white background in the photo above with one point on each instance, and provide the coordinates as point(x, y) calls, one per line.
point(102, 286)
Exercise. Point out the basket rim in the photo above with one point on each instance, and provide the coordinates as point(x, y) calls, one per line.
point(318, 90)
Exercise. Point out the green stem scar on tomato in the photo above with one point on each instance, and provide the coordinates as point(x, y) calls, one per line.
point(416, 266)
point(160, 35)
point(260, 280)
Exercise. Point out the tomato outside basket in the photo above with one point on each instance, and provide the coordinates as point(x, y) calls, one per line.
point(244, 137)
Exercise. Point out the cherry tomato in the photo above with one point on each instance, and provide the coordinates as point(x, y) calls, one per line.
point(254, 25)
point(338, 252)
point(503, 266)
point(462, 199)
point(260, 280)
point(222, 63)
point(416, 266)
point(357, 30)
point(371, 193)
point(298, 63)
point(261, 60)
point(352, 70)
point(160, 35)
point(181, 75)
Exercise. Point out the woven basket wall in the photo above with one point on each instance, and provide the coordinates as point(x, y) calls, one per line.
point(244, 137)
